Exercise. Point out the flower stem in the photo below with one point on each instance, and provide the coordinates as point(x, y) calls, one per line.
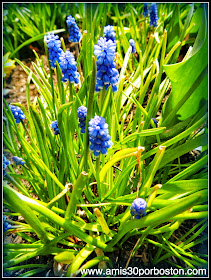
point(71, 92)
point(79, 65)
point(89, 112)
point(51, 79)
point(101, 99)
point(98, 176)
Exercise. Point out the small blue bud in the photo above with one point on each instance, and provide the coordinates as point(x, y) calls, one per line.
point(74, 32)
point(6, 225)
point(55, 127)
point(155, 122)
point(17, 113)
point(132, 44)
point(18, 161)
point(6, 162)
point(82, 112)
point(137, 209)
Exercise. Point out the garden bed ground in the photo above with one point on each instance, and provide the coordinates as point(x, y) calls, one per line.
point(16, 92)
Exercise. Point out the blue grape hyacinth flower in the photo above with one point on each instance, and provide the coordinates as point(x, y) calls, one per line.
point(132, 44)
point(17, 113)
point(54, 48)
point(6, 225)
point(6, 162)
point(137, 209)
point(55, 127)
point(109, 33)
point(68, 66)
point(18, 160)
point(73, 29)
point(99, 136)
point(146, 10)
point(153, 21)
point(155, 122)
point(82, 112)
point(107, 74)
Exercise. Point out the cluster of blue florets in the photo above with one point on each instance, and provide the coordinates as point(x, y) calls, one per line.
point(107, 74)
point(137, 209)
point(109, 33)
point(99, 136)
point(73, 29)
point(98, 132)
point(82, 111)
point(6, 162)
point(18, 160)
point(54, 48)
point(68, 66)
point(132, 44)
point(66, 59)
point(55, 127)
point(152, 12)
point(146, 10)
point(17, 113)
point(6, 225)
point(153, 20)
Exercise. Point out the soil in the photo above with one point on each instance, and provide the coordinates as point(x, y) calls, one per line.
point(16, 83)
point(16, 88)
